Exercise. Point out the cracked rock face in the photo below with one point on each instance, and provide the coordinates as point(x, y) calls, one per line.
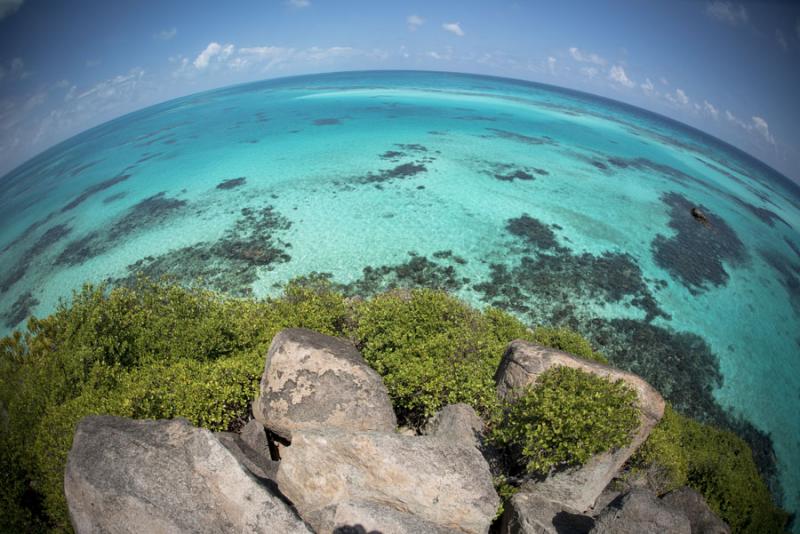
point(434, 479)
point(126, 476)
point(314, 381)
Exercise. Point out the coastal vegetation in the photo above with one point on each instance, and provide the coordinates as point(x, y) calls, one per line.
point(155, 349)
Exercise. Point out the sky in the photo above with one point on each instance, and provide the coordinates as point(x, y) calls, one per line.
point(730, 69)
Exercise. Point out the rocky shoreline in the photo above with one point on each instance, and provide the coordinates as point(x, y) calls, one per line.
point(324, 454)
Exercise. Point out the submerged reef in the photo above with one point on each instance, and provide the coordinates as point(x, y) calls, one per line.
point(229, 264)
point(20, 310)
point(144, 215)
point(696, 254)
point(93, 190)
point(50, 237)
point(232, 183)
point(418, 271)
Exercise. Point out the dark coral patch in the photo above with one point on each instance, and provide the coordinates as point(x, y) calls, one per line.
point(519, 174)
point(28, 231)
point(326, 122)
point(147, 213)
point(93, 190)
point(232, 183)
point(412, 147)
point(45, 241)
point(418, 271)
point(77, 170)
point(696, 254)
point(521, 138)
point(113, 198)
point(392, 154)
point(20, 310)
point(399, 172)
point(767, 216)
point(230, 264)
point(533, 232)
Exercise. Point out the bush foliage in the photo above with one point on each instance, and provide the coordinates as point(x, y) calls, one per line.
point(568, 416)
point(718, 464)
point(158, 350)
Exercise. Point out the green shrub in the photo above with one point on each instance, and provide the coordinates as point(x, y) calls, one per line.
point(432, 350)
point(718, 464)
point(565, 418)
point(568, 341)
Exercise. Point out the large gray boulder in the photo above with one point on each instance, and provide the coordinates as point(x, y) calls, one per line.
point(126, 476)
point(693, 505)
point(313, 381)
point(641, 512)
point(529, 513)
point(579, 488)
point(369, 517)
point(436, 480)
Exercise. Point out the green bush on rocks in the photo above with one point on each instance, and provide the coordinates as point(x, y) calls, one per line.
point(565, 418)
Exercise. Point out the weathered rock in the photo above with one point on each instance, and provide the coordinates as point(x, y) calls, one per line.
point(255, 436)
point(313, 381)
point(439, 481)
point(641, 512)
point(528, 513)
point(458, 423)
point(578, 488)
point(692, 504)
point(368, 517)
point(255, 462)
point(164, 476)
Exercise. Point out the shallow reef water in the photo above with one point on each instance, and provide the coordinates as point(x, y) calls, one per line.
point(560, 207)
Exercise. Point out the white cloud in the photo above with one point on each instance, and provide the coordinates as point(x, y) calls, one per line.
point(201, 61)
point(166, 35)
point(781, 39)
point(617, 74)
point(9, 7)
point(647, 86)
point(663, 81)
point(589, 72)
point(762, 128)
point(710, 109)
point(551, 64)
point(15, 71)
point(583, 57)
point(453, 27)
point(414, 22)
point(299, 3)
point(681, 96)
point(446, 56)
point(727, 12)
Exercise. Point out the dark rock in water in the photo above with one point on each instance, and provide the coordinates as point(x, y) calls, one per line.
point(528, 513)
point(515, 175)
point(533, 232)
point(577, 488)
point(698, 214)
point(638, 512)
point(313, 381)
point(165, 476)
point(692, 504)
point(232, 183)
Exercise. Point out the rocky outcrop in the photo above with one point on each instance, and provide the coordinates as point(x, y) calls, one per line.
point(579, 488)
point(529, 513)
point(436, 480)
point(640, 511)
point(165, 476)
point(313, 381)
point(343, 467)
point(693, 505)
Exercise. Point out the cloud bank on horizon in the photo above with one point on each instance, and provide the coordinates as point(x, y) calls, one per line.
point(728, 68)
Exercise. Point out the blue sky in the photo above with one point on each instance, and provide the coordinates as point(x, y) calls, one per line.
point(731, 69)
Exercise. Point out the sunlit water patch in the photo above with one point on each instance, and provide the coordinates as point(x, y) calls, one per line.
point(559, 207)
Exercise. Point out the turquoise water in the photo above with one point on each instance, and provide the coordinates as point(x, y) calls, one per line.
point(560, 207)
